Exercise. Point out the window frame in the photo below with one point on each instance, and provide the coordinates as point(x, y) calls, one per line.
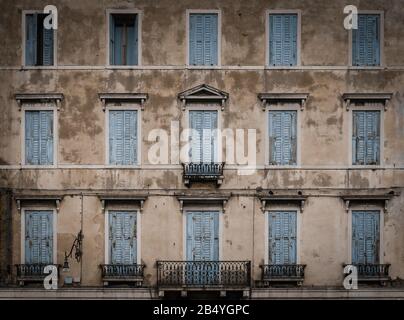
point(123, 107)
point(353, 107)
point(44, 107)
point(285, 207)
point(188, 13)
point(381, 44)
point(280, 107)
point(366, 207)
point(22, 228)
point(139, 14)
point(23, 29)
point(298, 33)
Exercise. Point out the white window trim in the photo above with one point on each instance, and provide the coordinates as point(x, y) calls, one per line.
point(291, 207)
point(54, 214)
point(219, 37)
point(138, 234)
point(124, 107)
point(298, 45)
point(38, 107)
point(352, 108)
point(283, 107)
point(207, 107)
point(139, 37)
point(190, 208)
point(55, 43)
point(382, 64)
point(381, 231)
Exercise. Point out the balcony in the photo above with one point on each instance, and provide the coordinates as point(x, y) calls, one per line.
point(124, 273)
point(373, 272)
point(203, 172)
point(203, 275)
point(281, 273)
point(31, 272)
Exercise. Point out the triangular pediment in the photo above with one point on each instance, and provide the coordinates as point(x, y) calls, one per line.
point(203, 92)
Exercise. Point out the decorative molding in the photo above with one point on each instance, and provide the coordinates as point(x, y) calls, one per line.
point(352, 97)
point(126, 198)
point(283, 97)
point(208, 199)
point(301, 200)
point(349, 199)
point(23, 98)
point(117, 98)
point(203, 93)
point(20, 199)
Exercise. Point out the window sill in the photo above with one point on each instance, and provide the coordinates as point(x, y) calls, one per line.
point(203, 67)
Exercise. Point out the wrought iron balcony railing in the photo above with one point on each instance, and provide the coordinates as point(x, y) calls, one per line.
point(122, 273)
point(202, 274)
point(283, 273)
point(373, 272)
point(32, 272)
point(203, 171)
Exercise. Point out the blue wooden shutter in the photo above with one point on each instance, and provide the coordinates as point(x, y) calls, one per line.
point(366, 41)
point(196, 135)
point(203, 236)
point(111, 40)
point(132, 48)
point(283, 39)
point(31, 39)
point(116, 34)
point(123, 137)
point(282, 137)
point(122, 237)
point(39, 137)
point(366, 137)
point(204, 138)
point(203, 39)
point(365, 237)
point(47, 50)
point(38, 237)
point(282, 237)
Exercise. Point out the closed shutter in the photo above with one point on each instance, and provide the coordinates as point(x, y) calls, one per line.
point(282, 137)
point(365, 237)
point(123, 137)
point(47, 47)
point(203, 136)
point(366, 137)
point(283, 39)
point(122, 237)
point(30, 39)
point(282, 237)
point(203, 39)
point(38, 237)
point(203, 236)
point(366, 41)
point(39, 137)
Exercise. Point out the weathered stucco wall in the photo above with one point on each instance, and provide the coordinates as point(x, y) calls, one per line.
point(324, 170)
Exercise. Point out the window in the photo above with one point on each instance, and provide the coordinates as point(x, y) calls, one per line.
point(39, 42)
point(282, 137)
point(38, 237)
point(282, 227)
point(123, 137)
point(366, 41)
point(123, 237)
point(39, 144)
point(365, 236)
point(203, 39)
point(203, 136)
point(123, 39)
point(366, 138)
point(283, 39)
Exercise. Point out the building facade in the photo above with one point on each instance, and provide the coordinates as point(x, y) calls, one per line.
point(202, 148)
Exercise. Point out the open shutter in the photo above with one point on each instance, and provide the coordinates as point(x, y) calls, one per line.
point(47, 52)
point(132, 48)
point(31, 39)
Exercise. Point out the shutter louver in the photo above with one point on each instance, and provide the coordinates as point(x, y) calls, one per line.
point(365, 237)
